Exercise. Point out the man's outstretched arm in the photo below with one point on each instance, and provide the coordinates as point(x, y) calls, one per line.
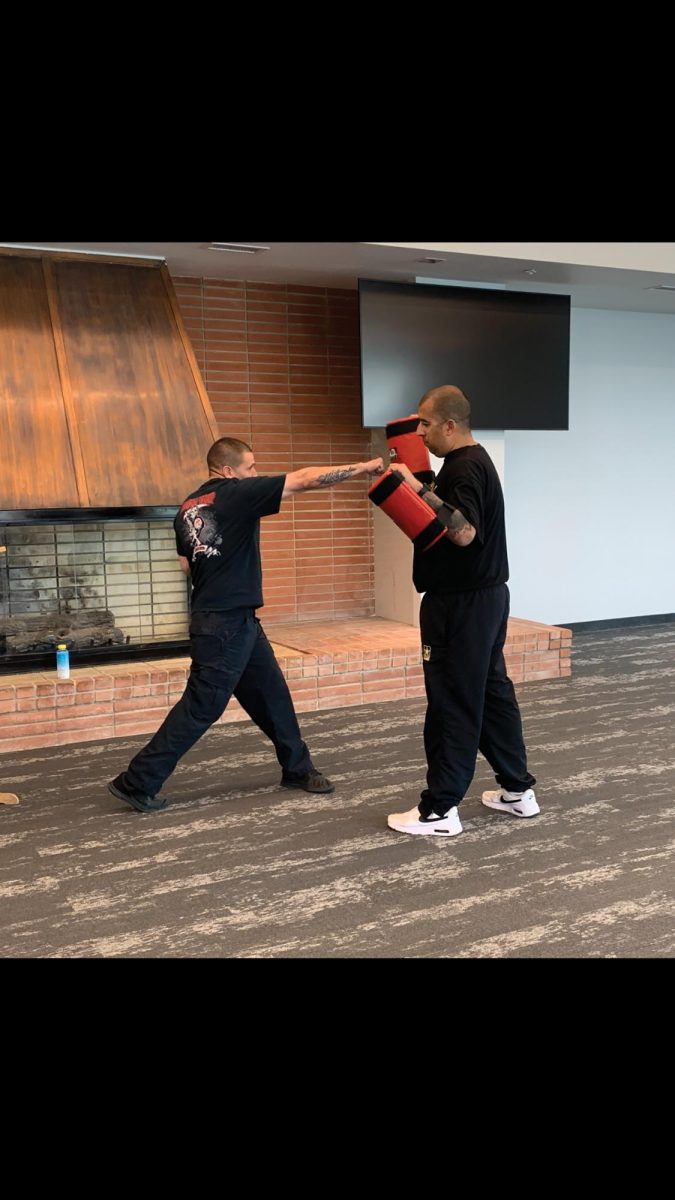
point(311, 478)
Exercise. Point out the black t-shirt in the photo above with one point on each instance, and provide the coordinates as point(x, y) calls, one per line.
point(218, 531)
point(468, 481)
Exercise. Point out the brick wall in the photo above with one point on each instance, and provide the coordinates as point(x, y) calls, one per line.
point(281, 366)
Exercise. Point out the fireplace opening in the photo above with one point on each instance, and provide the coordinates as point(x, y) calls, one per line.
point(106, 582)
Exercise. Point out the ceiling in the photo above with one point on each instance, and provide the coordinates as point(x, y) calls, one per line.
point(341, 264)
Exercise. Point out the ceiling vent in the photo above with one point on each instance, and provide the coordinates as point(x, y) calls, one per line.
point(237, 247)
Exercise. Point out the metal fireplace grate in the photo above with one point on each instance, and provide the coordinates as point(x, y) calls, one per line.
point(110, 584)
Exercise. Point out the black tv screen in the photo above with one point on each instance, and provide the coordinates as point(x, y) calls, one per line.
point(507, 351)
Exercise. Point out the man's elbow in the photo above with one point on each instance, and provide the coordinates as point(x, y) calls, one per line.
point(461, 537)
point(466, 536)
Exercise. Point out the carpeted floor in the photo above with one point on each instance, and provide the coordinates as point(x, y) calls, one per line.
point(237, 868)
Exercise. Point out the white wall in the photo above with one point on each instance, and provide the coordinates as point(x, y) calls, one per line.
point(591, 511)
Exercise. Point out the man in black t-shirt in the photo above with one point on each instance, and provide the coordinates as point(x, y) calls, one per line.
point(218, 542)
point(471, 702)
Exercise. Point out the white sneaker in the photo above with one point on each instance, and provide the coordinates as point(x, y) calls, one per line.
point(519, 804)
point(413, 822)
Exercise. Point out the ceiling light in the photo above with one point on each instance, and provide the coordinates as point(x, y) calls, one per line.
point(429, 260)
point(661, 287)
point(530, 271)
point(237, 247)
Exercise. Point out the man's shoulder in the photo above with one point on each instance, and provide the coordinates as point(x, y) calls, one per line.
point(475, 459)
point(204, 494)
point(461, 462)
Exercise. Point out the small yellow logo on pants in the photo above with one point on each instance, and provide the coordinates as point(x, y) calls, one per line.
point(426, 653)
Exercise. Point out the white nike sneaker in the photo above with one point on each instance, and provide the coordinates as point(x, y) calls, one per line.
point(519, 804)
point(413, 822)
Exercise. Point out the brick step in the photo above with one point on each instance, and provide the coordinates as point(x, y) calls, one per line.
point(328, 664)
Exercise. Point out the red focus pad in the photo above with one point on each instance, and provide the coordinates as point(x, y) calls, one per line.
point(407, 447)
point(407, 510)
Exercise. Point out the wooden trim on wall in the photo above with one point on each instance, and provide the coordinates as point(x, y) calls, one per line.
point(81, 256)
point(189, 352)
point(62, 363)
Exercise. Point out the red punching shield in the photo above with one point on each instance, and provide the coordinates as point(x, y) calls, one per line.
point(407, 510)
point(407, 447)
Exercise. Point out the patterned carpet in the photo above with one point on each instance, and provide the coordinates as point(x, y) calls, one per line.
point(237, 868)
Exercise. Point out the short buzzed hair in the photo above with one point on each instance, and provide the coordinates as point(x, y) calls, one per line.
point(449, 404)
point(226, 452)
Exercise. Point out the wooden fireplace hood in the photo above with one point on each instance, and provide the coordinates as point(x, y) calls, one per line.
point(102, 404)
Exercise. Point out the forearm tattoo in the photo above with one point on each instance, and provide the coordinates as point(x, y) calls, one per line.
point(431, 499)
point(331, 477)
point(453, 519)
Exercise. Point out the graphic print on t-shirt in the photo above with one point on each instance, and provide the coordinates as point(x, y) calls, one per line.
point(199, 525)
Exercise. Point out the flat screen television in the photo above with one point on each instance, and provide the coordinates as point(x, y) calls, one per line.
point(508, 352)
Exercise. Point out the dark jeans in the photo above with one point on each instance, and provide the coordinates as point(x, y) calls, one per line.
point(230, 656)
point(472, 704)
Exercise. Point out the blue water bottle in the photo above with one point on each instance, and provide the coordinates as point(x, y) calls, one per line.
point(62, 662)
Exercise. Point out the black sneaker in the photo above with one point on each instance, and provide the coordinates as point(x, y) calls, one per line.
point(313, 781)
point(144, 804)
